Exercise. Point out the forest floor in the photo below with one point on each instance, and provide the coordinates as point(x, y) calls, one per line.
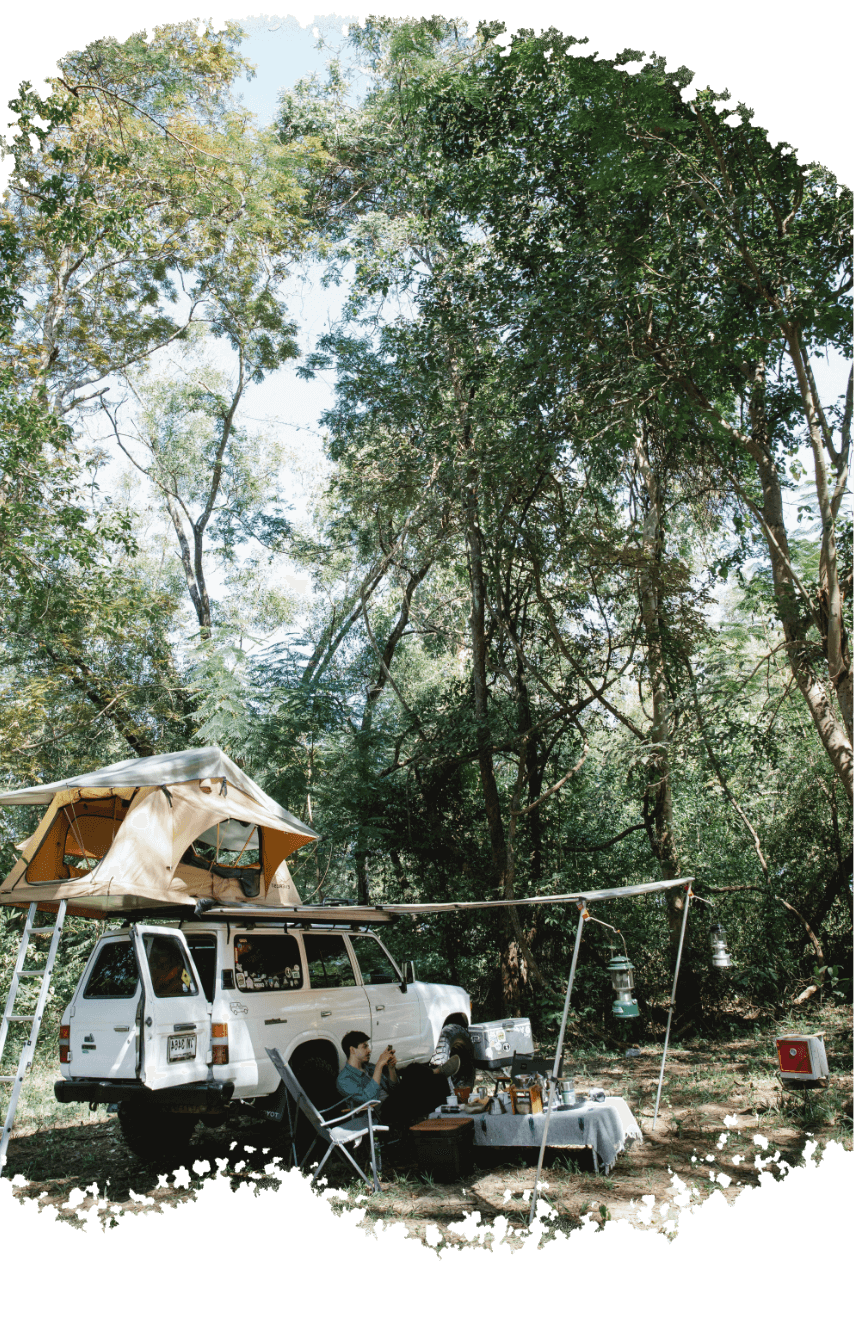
point(57, 1149)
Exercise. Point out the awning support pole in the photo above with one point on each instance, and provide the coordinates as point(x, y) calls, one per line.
point(553, 1080)
point(672, 1005)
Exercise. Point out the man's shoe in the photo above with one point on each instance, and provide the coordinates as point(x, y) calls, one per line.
point(451, 1068)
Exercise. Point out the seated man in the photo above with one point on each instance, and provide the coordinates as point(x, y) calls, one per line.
point(356, 1081)
point(406, 1096)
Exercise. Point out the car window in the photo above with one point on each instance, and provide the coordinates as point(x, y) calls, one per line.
point(329, 965)
point(374, 962)
point(171, 976)
point(114, 974)
point(263, 962)
point(203, 951)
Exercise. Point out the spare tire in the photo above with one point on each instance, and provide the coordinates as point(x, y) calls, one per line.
point(454, 1039)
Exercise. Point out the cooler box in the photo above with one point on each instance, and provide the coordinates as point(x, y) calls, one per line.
point(444, 1147)
point(495, 1042)
point(802, 1058)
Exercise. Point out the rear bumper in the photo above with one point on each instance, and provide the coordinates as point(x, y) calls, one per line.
point(196, 1095)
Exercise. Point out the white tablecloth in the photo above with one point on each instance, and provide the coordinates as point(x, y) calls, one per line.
point(607, 1127)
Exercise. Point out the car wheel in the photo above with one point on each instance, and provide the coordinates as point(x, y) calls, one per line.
point(155, 1134)
point(454, 1039)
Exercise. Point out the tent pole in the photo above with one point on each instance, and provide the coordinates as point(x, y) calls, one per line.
point(672, 1005)
point(582, 915)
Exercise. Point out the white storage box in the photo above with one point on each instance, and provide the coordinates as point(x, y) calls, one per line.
point(495, 1042)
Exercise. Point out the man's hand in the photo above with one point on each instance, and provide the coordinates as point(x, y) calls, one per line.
point(386, 1059)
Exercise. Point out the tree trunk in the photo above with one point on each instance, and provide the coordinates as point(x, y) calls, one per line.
point(658, 794)
point(835, 636)
point(795, 618)
point(485, 758)
point(796, 624)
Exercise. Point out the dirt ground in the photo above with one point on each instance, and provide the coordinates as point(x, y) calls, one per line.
point(56, 1150)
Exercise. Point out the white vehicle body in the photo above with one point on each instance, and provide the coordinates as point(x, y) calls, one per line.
point(185, 1013)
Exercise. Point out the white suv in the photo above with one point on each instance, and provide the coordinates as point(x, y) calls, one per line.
point(172, 1023)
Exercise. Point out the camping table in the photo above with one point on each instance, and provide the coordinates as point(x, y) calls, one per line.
point(606, 1127)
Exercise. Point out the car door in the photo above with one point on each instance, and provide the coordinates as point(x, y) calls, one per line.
point(395, 1014)
point(103, 1027)
point(269, 1006)
point(175, 1012)
point(339, 1001)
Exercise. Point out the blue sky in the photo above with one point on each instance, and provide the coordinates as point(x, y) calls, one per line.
point(282, 53)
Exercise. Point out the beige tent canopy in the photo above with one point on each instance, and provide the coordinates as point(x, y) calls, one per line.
point(161, 830)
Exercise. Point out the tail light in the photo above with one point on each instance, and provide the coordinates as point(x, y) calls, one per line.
point(219, 1052)
point(64, 1046)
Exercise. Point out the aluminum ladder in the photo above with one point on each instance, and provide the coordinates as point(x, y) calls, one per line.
point(35, 1018)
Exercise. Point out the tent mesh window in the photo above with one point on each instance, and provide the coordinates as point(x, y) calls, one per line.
point(77, 840)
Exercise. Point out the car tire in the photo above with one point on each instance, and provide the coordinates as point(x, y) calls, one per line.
point(155, 1134)
point(455, 1039)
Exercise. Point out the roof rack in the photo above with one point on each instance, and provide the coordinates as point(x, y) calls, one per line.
point(299, 916)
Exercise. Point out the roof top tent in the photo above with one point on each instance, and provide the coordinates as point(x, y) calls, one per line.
point(164, 830)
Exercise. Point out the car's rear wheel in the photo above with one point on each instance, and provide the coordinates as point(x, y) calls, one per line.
point(155, 1134)
point(318, 1075)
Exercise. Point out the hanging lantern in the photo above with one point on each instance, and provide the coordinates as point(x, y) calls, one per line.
point(620, 969)
point(721, 958)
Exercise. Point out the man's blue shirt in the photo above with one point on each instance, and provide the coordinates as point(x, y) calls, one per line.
point(359, 1086)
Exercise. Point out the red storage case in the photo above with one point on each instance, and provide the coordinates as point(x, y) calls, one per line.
point(802, 1058)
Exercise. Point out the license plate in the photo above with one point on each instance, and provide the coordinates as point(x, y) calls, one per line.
point(181, 1047)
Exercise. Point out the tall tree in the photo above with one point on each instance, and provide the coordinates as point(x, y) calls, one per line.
point(655, 235)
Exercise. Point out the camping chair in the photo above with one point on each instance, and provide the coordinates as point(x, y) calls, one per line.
point(339, 1133)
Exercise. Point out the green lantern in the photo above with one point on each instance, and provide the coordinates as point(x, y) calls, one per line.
point(620, 969)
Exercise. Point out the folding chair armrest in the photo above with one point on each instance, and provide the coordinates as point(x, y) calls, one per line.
point(336, 1105)
point(366, 1105)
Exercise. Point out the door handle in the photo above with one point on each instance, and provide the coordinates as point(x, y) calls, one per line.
point(327, 1014)
point(379, 1007)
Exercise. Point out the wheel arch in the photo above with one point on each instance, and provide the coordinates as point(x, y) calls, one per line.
point(316, 1066)
point(316, 1048)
